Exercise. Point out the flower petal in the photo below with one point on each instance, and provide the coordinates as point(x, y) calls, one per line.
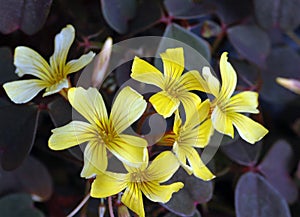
point(180, 152)
point(164, 104)
point(74, 133)
point(108, 184)
point(194, 118)
point(89, 103)
point(133, 199)
point(229, 78)
point(24, 90)
point(127, 108)
point(55, 88)
point(76, 65)
point(177, 123)
point(199, 169)
point(63, 42)
point(160, 193)
point(197, 137)
point(125, 151)
point(95, 159)
point(192, 80)
point(162, 167)
point(246, 101)
point(221, 122)
point(248, 129)
point(173, 60)
point(144, 72)
point(190, 102)
point(205, 131)
point(213, 84)
point(30, 62)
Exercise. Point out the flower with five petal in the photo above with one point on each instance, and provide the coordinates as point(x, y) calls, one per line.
point(174, 86)
point(146, 179)
point(53, 76)
point(226, 108)
point(103, 133)
point(194, 133)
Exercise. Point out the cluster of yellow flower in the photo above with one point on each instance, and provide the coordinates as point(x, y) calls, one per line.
point(103, 133)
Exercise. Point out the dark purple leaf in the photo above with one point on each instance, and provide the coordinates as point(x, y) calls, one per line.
point(6, 64)
point(31, 177)
point(278, 13)
point(16, 205)
point(282, 62)
point(231, 11)
point(142, 22)
point(181, 203)
point(187, 9)
point(255, 197)
point(177, 32)
point(17, 133)
point(195, 191)
point(242, 152)
point(251, 42)
point(196, 214)
point(27, 15)
point(60, 112)
point(276, 168)
point(118, 13)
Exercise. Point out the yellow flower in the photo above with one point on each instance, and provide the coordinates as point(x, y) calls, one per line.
point(102, 132)
point(53, 77)
point(226, 108)
point(195, 132)
point(174, 86)
point(145, 179)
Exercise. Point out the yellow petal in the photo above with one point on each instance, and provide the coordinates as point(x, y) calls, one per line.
point(190, 102)
point(25, 90)
point(246, 101)
point(196, 116)
point(127, 108)
point(127, 149)
point(199, 169)
point(229, 78)
point(72, 134)
point(180, 152)
point(160, 193)
point(144, 72)
point(89, 103)
point(162, 167)
point(248, 129)
point(164, 104)
point(221, 122)
point(205, 131)
point(62, 44)
point(30, 62)
point(95, 159)
point(173, 60)
point(108, 184)
point(133, 199)
point(76, 65)
point(177, 123)
point(55, 88)
point(197, 137)
point(213, 84)
point(193, 81)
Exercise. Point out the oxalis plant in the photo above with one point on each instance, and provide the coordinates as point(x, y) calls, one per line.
point(167, 125)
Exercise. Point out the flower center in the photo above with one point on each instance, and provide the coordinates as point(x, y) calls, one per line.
point(137, 177)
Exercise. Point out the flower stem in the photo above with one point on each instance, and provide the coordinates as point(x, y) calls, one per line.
point(64, 93)
point(110, 207)
point(85, 199)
